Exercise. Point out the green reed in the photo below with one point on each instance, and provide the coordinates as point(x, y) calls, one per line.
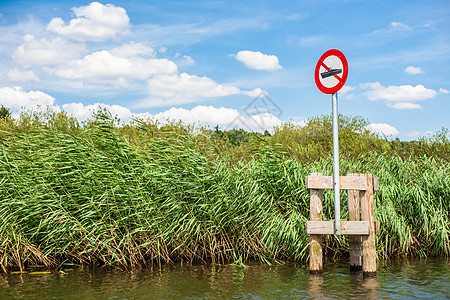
point(98, 194)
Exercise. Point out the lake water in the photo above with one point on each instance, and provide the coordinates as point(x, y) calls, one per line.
point(395, 279)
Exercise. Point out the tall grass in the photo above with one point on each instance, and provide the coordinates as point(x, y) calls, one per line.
point(97, 194)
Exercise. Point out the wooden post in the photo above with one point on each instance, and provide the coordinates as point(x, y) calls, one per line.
point(354, 241)
point(315, 240)
point(368, 241)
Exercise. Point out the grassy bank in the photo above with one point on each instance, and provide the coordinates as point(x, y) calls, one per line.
point(96, 193)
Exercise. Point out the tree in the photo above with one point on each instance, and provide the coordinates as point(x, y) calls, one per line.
point(4, 113)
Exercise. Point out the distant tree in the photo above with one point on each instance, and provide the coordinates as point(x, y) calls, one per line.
point(235, 137)
point(4, 112)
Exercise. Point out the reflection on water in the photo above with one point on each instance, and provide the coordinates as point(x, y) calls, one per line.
point(402, 279)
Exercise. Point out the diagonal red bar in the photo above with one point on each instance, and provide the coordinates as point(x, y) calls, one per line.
point(328, 69)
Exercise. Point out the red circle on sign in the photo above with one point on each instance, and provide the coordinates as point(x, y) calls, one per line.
point(341, 79)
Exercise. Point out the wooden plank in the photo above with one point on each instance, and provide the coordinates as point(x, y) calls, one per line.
point(347, 227)
point(354, 227)
point(319, 182)
point(375, 183)
point(319, 227)
point(357, 183)
point(368, 241)
point(354, 241)
point(353, 202)
point(326, 182)
point(315, 241)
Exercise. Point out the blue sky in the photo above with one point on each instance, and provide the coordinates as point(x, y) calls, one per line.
point(207, 61)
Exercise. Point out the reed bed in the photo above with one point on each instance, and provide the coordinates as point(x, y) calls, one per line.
point(93, 195)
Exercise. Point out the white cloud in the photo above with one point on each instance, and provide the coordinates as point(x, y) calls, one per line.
point(95, 22)
point(299, 123)
point(107, 67)
point(133, 49)
point(405, 105)
point(444, 91)
point(200, 115)
point(399, 26)
point(184, 88)
point(16, 99)
point(413, 70)
point(398, 97)
point(183, 60)
point(346, 89)
point(258, 61)
point(45, 52)
point(16, 75)
point(255, 93)
point(261, 122)
point(383, 128)
point(398, 93)
point(83, 112)
point(225, 118)
point(414, 133)
point(394, 30)
point(187, 60)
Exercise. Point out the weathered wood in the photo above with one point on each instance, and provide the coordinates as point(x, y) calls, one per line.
point(368, 241)
point(315, 241)
point(375, 183)
point(347, 227)
point(354, 241)
point(360, 227)
point(326, 183)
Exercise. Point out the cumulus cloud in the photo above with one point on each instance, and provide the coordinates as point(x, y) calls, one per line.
point(260, 122)
point(16, 75)
point(225, 118)
point(200, 114)
point(383, 129)
point(17, 100)
point(398, 97)
point(184, 88)
point(444, 91)
point(258, 61)
point(83, 112)
point(95, 22)
point(105, 67)
point(45, 52)
point(413, 70)
point(133, 49)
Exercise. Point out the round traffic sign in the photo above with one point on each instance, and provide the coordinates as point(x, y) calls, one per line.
point(331, 71)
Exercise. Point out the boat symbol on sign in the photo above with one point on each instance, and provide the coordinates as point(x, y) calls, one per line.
point(330, 72)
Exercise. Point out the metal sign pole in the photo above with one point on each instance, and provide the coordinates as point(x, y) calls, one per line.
point(337, 204)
